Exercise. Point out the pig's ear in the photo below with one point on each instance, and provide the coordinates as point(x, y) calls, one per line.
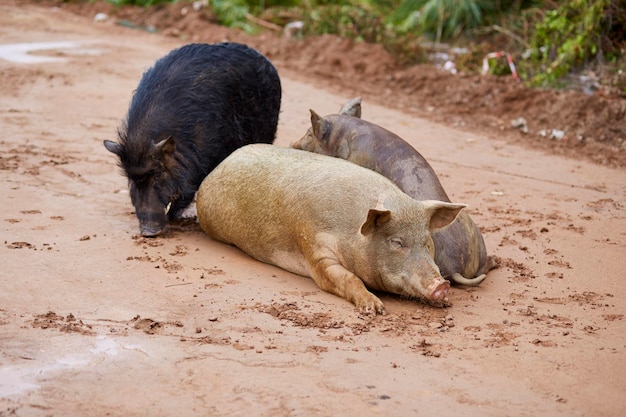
point(319, 125)
point(165, 148)
point(113, 147)
point(352, 108)
point(440, 213)
point(375, 218)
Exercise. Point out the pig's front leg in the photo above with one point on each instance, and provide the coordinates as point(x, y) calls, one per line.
point(334, 278)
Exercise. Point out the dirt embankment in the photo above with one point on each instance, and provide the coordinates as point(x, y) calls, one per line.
point(569, 123)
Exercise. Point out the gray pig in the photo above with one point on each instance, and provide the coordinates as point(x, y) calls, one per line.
point(460, 249)
point(345, 226)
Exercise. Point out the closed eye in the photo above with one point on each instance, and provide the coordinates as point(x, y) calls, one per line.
point(395, 242)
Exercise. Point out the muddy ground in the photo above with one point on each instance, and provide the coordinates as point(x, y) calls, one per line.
point(96, 320)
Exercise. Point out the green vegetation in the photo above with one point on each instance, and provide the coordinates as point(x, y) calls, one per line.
point(548, 39)
point(362, 22)
point(233, 13)
point(440, 19)
point(573, 34)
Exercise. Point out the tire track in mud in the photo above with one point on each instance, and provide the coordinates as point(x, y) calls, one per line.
point(492, 170)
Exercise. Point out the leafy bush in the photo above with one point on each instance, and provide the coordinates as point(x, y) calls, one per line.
point(346, 21)
point(573, 34)
point(440, 19)
point(363, 24)
point(232, 13)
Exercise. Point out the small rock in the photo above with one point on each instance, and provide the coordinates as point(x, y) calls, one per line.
point(557, 134)
point(435, 325)
point(521, 124)
point(450, 67)
point(197, 5)
point(294, 29)
point(100, 17)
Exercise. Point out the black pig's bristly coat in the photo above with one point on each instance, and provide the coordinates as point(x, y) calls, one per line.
point(193, 108)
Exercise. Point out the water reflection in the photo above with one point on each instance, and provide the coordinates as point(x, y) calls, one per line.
point(22, 52)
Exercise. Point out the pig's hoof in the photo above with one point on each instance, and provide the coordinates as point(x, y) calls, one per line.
point(372, 311)
point(371, 306)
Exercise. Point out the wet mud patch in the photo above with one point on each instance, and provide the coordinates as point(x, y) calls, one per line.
point(208, 340)
point(605, 204)
point(13, 79)
point(146, 242)
point(151, 326)
point(426, 348)
point(29, 159)
point(613, 317)
point(179, 250)
point(20, 245)
point(500, 335)
point(71, 324)
point(210, 271)
point(167, 265)
point(425, 320)
point(67, 324)
point(291, 312)
point(590, 298)
point(519, 271)
point(544, 343)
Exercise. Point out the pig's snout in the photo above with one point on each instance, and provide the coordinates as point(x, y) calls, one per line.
point(151, 224)
point(440, 291)
point(151, 212)
point(150, 230)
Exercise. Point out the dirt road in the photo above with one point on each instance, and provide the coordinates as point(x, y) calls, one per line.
point(95, 320)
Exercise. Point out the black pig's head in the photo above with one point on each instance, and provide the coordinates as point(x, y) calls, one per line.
point(149, 168)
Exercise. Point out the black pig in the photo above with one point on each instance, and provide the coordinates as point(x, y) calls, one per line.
point(193, 108)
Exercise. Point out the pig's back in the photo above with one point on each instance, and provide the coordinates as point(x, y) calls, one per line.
point(383, 151)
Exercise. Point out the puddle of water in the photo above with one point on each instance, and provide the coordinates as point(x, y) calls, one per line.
point(22, 52)
point(105, 345)
point(17, 380)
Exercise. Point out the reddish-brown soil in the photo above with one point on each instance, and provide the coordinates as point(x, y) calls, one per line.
point(96, 320)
